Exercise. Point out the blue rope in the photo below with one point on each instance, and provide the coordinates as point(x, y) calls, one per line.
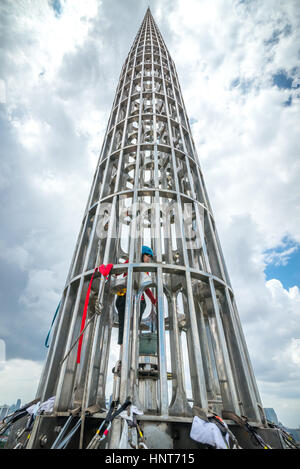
point(54, 317)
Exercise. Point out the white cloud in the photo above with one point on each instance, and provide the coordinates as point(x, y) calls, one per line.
point(280, 258)
point(291, 354)
point(14, 255)
point(19, 379)
point(288, 407)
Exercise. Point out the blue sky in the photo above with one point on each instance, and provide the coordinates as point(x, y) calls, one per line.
point(57, 7)
point(283, 81)
point(284, 264)
point(239, 71)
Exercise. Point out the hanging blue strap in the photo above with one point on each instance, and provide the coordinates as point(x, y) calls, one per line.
point(54, 317)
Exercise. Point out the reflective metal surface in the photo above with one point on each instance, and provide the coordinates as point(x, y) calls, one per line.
point(148, 189)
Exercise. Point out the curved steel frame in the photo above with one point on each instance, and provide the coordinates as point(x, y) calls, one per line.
point(149, 188)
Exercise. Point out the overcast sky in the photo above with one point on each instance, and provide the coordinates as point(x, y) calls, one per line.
point(238, 66)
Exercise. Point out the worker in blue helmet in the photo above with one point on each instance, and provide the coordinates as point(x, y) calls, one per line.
point(148, 252)
point(147, 256)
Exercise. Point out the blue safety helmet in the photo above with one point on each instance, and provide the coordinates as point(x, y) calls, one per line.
point(147, 250)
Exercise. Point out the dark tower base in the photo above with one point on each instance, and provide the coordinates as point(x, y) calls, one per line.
point(171, 434)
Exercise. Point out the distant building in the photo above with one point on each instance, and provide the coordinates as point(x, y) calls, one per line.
point(271, 415)
point(15, 406)
point(4, 409)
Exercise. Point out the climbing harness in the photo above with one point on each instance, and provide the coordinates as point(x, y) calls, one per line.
point(104, 428)
point(223, 427)
point(210, 429)
point(118, 284)
point(208, 433)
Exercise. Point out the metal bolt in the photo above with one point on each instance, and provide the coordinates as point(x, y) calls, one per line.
point(43, 440)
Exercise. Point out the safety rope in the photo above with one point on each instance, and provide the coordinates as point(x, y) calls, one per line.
point(105, 425)
point(62, 432)
point(105, 270)
point(64, 442)
point(243, 422)
point(140, 437)
point(53, 320)
point(86, 303)
point(256, 436)
point(10, 419)
point(76, 340)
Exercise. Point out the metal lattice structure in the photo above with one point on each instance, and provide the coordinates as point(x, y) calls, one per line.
point(148, 189)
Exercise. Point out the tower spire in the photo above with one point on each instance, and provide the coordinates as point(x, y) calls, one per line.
point(166, 307)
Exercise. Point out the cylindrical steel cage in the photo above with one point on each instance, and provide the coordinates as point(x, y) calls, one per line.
point(148, 189)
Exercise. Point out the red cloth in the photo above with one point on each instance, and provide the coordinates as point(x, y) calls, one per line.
point(86, 303)
point(105, 271)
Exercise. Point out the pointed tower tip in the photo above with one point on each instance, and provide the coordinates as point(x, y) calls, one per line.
point(148, 13)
